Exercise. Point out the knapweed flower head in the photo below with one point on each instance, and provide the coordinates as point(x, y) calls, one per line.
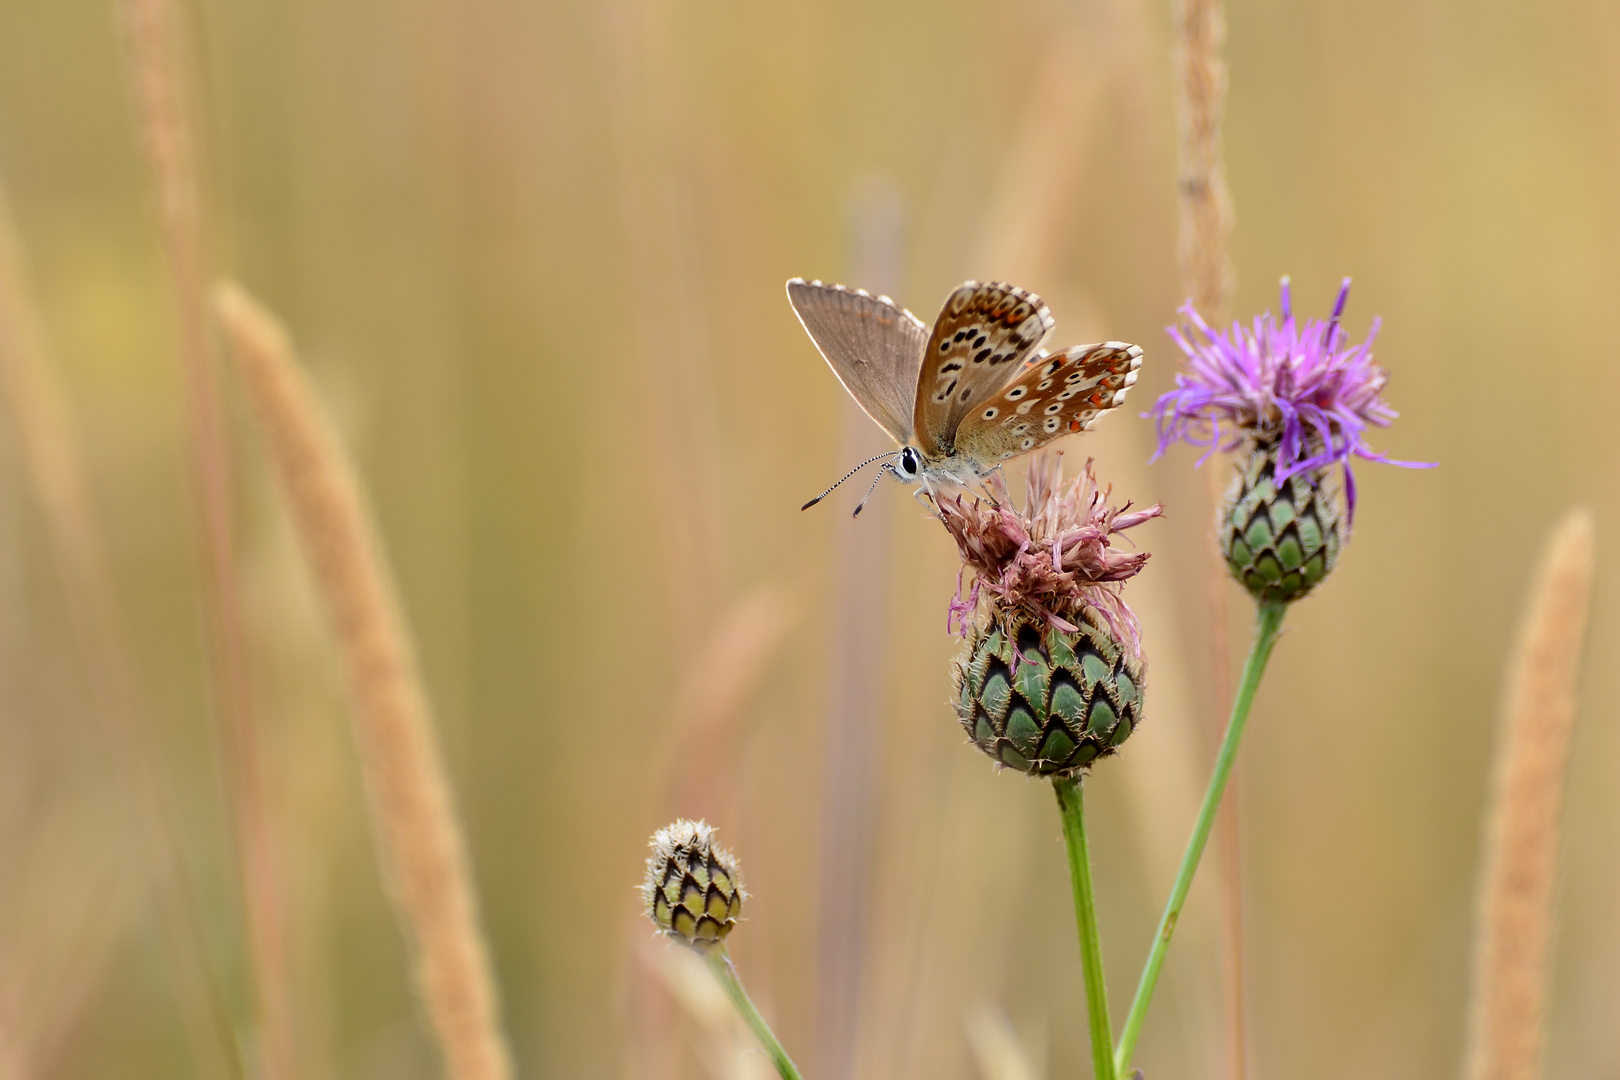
point(1054, 558)
point(1298, 388)
point(1051, 673)
point(693, 892)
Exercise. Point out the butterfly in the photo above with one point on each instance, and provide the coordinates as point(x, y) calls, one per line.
point(968, 394)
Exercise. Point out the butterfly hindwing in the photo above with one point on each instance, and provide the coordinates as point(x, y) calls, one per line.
point(983, 334)
point(872, 344)
point(1049, 397)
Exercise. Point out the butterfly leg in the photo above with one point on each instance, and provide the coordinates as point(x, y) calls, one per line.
point(999, 472)
point(925, 499)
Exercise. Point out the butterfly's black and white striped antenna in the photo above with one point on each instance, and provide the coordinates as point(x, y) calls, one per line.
point(888, 466)
point(846, 476)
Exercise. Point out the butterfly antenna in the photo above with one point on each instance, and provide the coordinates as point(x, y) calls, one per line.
point(862, 504)
point(846, 476)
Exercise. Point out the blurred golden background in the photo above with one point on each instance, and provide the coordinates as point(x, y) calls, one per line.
point(533, 254)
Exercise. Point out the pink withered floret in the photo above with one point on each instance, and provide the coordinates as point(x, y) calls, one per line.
point(1055, 557)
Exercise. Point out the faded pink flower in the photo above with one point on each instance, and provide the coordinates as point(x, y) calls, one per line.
point(1056, 557)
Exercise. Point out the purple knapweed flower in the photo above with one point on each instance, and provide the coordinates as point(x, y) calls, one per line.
point(1297, 387)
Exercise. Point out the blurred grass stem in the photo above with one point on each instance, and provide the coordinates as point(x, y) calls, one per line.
point(49, 445)
point(164, 112)
point(1268, 620)
point(413, 817)
point(1203, 252)
point(854, 759)
point(1518, 886)
point(1071, 801)
point(719, 962)
point(1205, 200)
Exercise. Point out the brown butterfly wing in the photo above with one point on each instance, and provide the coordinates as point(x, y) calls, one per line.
point(1049, 397)
point(984, 333)
point(872, 344)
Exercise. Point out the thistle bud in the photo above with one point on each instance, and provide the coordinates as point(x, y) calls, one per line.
point(1044, 700)
point(1279, 540)
point(1051, 675)
point(693, 892)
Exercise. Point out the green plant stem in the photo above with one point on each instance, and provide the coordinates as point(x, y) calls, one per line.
point(1071, 802)
point(1268, 620)
point(719, 962)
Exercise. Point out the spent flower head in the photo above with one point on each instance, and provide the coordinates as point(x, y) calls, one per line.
point(1298, 387)
point(1054, 558)
point(1051, 674)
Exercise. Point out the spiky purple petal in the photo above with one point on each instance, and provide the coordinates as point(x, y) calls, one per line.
point(1279, 381)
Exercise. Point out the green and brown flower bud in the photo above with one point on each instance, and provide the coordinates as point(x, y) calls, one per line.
point(693, 892)
point(1043, 700)
point(1279, 541)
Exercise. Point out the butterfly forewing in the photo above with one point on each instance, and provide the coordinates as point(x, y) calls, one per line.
point(983, 335)
point(872, 344)
point(1049, 397)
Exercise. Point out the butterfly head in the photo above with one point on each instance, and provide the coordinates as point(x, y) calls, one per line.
point(908, 464)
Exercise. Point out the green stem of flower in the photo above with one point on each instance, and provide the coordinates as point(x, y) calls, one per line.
point(719, 962)
point(1071, 802)
point(1268, 620)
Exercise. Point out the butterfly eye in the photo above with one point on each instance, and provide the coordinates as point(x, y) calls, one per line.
point(910, 463)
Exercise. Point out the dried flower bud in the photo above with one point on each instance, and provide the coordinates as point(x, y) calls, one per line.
point(1051, 678)
point(693, 892)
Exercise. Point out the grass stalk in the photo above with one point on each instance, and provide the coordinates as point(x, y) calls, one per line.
point(1268, 622)
point(1205, 201)
point(49, 451)
point(854, 763)
point(1518, 886)
point(998, 1052)
point(1203, 252)
point(158, 71)
point(719, 962)
point(1071, 801)
point(413, 818)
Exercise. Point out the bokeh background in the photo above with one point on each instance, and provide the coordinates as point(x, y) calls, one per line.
point(533, 254)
